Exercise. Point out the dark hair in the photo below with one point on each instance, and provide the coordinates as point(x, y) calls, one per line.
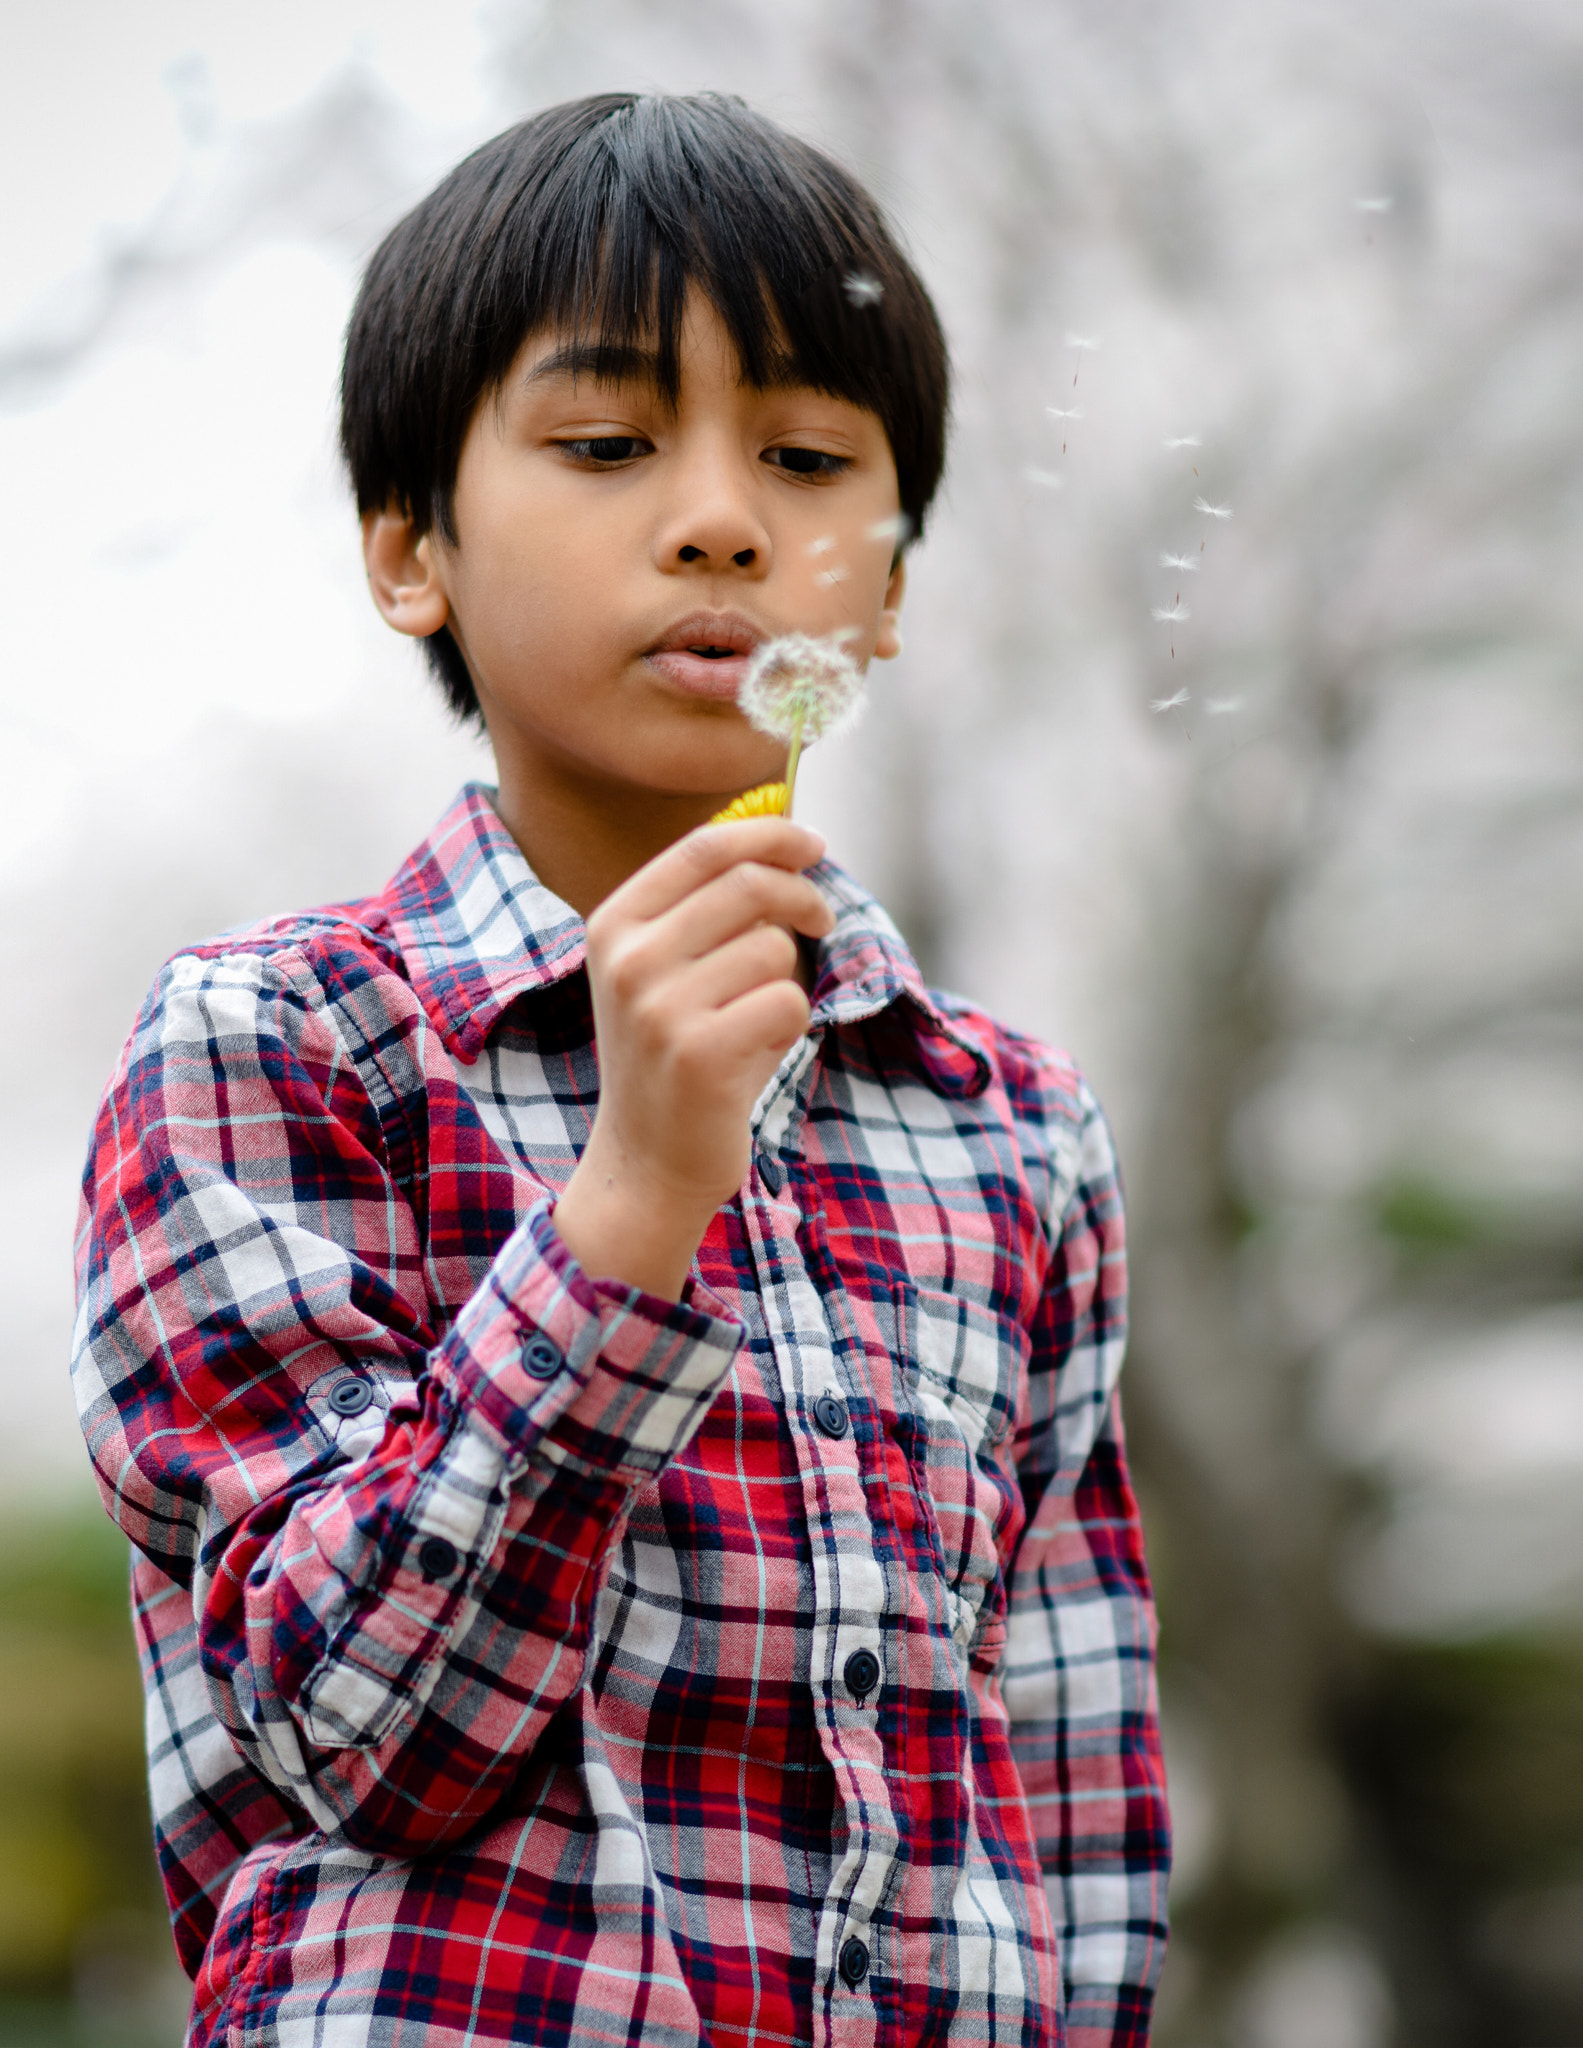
point(595, 217)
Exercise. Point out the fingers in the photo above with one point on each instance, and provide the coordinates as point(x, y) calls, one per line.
point(767, 953)
point(761, 1026)
point(744, 896)
point(708, 852)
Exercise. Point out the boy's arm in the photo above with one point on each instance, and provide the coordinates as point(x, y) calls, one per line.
point(390, 1544)
point(1079, 1679)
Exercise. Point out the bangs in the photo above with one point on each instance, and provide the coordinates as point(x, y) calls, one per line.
point(662, 198)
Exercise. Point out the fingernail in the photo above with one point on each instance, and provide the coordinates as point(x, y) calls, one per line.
point(819, 840)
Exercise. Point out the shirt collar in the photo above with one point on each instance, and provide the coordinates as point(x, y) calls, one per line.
point(477, 928)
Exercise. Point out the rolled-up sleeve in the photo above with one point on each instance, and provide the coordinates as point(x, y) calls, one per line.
point(389, 1532)
point(1079, 1680)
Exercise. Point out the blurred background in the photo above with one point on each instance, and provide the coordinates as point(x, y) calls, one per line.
point(1238, 746)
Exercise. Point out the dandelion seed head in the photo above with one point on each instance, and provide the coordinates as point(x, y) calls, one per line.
point(1222, 707)
point(797, 680)
point(1184, 441)
point(1172, 703)
point(1187, 562)
point(862, 289)
point(1066, 412)
point(822, 545)
point(1082, 341)
point(1382, 204)
point(1212, 511)
point(1046, 479)
point(1177, 611)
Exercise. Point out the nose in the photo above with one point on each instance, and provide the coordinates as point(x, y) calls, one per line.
point(711, 520)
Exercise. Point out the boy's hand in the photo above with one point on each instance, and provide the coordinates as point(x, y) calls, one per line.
point(692, 964)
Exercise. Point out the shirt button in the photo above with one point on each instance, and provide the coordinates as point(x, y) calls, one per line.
point(861, 1673)
point(437, 1558)
point(352, 1396)
point(854, 1961)
point(829, 1411)
point(542, 1359)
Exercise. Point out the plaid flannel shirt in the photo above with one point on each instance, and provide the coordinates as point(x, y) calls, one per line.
point(532, 1660)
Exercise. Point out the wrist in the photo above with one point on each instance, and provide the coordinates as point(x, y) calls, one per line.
point(620, 1224)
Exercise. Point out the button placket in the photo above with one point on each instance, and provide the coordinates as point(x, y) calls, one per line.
point(852, 1592)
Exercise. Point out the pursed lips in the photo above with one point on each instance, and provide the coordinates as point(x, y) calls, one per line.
point(707, 653)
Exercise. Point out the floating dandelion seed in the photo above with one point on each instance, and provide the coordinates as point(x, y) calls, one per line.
point(1089, 341)
point(799, 689)
point(1213, 511)
point(1179, 562)
point(1172, 703)
point(896, 529)
point(822, 545)
point(1046, 479)
point(1177, 611)
point(862, 289)
point(1381, 205)
point(1069, 412)
point(838, 572)
point(1222, 707)
point(1183, 441)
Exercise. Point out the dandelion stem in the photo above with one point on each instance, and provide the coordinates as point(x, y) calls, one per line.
point(793, 756)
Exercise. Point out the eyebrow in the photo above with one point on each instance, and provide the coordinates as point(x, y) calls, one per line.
point(602, 362)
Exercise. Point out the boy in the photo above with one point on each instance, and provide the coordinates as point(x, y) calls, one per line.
point(610, 1380)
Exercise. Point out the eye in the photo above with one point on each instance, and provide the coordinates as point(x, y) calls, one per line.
point(605, 451)
point(807, 461)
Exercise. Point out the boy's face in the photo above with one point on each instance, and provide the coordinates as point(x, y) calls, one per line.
point(617, 560)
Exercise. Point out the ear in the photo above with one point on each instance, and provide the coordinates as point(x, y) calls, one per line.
point(404, 574)
point(887, 642)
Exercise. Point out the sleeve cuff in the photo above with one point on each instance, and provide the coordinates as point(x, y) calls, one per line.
point(550, 1361)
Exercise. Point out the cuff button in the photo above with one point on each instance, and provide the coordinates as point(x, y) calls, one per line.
point(829, 1411)
point(437, 1558)
point(542, 1359)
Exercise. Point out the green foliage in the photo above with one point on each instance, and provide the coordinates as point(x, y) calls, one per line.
point(79, 1896)
point(1470, 1758)
point(1419, 1217)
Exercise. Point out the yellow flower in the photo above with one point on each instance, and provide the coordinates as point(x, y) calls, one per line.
point(767, 801)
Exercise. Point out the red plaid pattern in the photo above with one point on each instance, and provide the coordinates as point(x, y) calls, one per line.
point(506, 1630)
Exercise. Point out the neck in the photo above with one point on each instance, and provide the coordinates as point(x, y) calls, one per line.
point(584, 837)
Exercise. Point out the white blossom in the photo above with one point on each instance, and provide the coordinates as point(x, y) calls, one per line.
point(799, 685)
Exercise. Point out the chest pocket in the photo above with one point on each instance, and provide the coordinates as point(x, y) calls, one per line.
point(965, 1373)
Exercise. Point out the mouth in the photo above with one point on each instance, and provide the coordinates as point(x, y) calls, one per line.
point(707, 653)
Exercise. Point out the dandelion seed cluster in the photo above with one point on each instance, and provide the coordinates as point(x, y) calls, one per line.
point(798, 686)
